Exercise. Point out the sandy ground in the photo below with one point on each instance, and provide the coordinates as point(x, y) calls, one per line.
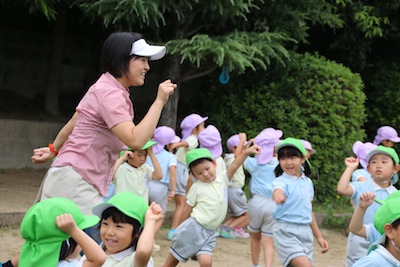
point(18, 190)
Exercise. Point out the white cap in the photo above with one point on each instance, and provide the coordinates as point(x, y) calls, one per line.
point(143, 49)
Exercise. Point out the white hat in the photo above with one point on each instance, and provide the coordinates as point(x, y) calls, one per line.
point(143, 49)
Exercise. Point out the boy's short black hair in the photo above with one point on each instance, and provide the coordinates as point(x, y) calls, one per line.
point(115, 55)
point(197, 162)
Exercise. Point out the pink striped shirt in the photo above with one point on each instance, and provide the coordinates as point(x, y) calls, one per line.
point(91, 148)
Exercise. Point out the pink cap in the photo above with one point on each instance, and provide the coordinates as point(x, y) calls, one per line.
point(361, 150)
point(386, 133)
point(307, 145)
point(234, 140)
point(210, 138)
point(164, 135)
point(189, 123)
point(267, 139)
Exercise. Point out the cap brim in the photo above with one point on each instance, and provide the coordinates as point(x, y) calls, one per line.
point(143, 49)
point(149, 144)
point(395, 140)
point(88, 221)
point(99, 209)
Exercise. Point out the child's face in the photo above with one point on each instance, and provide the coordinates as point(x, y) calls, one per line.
point(292, 165)
point(198, 128)
point(381, 167)
point(308, 154)
point(138, 158)
point(387, 143)
point(204, 171)
point(116, 237)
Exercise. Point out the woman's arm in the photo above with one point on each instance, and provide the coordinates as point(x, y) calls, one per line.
point(44, 154)
point(136, 136)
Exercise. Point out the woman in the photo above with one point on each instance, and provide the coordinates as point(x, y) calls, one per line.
point(88, 145)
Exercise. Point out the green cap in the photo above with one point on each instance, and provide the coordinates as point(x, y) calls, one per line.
point(388, 212)
point(293, 142)
point(384, 150)
point(198, 153)
point(146, 146)
point(129, 204)
point(43, 238)
point(149, 143)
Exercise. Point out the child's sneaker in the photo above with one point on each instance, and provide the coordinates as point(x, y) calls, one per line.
point(156, 247)
point(239, 232)
point(170, 234)
point(226, 232)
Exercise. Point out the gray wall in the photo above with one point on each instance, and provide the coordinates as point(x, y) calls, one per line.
point(18, 138)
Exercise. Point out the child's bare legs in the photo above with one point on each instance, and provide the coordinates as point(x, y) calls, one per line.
point(302, 261)
point(179, 204)
point(204, 260)
point(268, 246)
point(241, 221)
point(170, 261)
point(255, 247)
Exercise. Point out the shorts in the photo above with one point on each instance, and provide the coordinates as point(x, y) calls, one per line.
point(237, 202)
point(260, 215)
point(66, 182)
point(182, 176)
point(191, 238)
point(293, 240)
point(357, 247)
point(158, 192)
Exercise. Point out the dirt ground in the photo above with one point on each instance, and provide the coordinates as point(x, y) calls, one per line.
point(18, 190)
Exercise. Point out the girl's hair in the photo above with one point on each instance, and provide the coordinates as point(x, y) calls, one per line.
point(290, 151)
point(395, 225)
point(115, 55)
point(67, 247)
point(197, 162)
point(118, 217)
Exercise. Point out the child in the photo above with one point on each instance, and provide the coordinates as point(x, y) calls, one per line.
point(307, 145)
point(191, 126)
point(386, 136)
point(237, 201)
point(293, 192)
point(361, 150)
point(382, 165)
point(211, 139)
point(385, 249)
point(48, 227)
point(205, 208)
point(261, 205)
point(132, 173)
point(158, 190)
point(127, 229)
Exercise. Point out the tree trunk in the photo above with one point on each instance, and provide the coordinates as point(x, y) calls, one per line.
point(51, 104)
point(173, 72)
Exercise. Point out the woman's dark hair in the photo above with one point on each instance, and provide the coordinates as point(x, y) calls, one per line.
point(290, 151)
point(197, 162)
point(115, 55)
point(67, 247)
point(118, 217)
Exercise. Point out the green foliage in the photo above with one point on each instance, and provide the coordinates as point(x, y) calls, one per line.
point(311, 98)
point(383, 102)
point(334, 220)
point(237, 50)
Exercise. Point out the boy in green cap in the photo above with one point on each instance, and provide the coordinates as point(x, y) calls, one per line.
point(132, 173)
point(384, 234)
point(205, 208)
point(48, 227)
point(383, 163)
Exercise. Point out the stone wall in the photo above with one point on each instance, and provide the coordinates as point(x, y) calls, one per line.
point(18, 138)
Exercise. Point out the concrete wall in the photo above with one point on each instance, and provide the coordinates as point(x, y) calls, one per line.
point(18, 138)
